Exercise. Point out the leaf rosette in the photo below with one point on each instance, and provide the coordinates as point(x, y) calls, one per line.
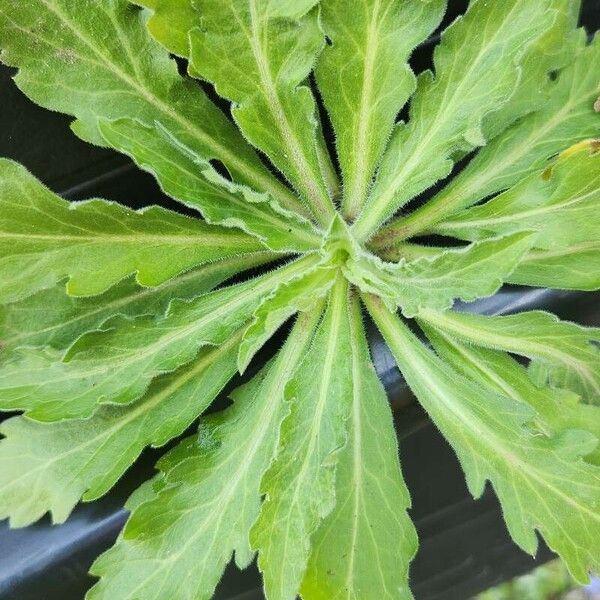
point(121, 327)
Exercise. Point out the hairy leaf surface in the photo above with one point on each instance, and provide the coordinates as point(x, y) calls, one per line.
point(44, 239)
point(436, 280)
point(65, 461)
point(566, 117)
point(476, 71)
point(569, 349)
point(95, 60)
point(299, 487)
point(363, 548)
point(202, 510)
point(557, 410)
point(365, 79)
point(542, 483)
point(117, 364)
point(561, 203)
point(53, 318)
point(257, 54)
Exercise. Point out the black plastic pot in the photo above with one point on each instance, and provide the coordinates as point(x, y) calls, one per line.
point(464, 547)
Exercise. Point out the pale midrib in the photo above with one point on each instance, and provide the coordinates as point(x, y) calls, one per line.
point(356, 438)
point(477, 425)
point(536, 255)
point(143, 407)
point(256, 436)
point(318, 413)
point(222, 151)
point(103, 238)
point(378, 207)
point(481, 431)
point(130, 298)
point(322, 208)
point(452, 198)
point(360, 177)
point(182, 330)
point(518, 216)
point(510, 344)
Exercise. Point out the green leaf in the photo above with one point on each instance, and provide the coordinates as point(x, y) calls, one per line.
point(542, 483)
point(575, 267)
point(117, 364)
point(439, 278)
point(566, 347)
point(567, 117)
point(201, 511)
point(363, 548)
point(96, 60)
point(557, 410)
point(185, 176)
point(301, 294)
point(64, 461)
point(477, 68)
point(52, 318)
point(170, 23)
point(561, 203)
point(299, 487)
point(257, 54)
point(365, 79)
point(44, 239)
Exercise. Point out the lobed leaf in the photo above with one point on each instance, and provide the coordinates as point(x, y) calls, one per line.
point(557, 410)
point(363, 548)
point(170, 23)
point(52, 318)
point(257, 54)
point(567, 117)
point(95, 60)
point(299, 487)
point(200, 512)
point(575, 267)
point(561, 204)
point(85, 457)
point(365, 80)
point(44, 239)
point(565, 347)
point(116, 365)
point(437, 279)
point(542, 483)
point(187, 177)
point(447, 111)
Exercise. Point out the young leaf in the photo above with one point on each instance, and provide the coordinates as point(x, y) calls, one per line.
point(557, 410)
point(299, 295)
point(365, 79)
point(257, 54)
point(542, 483)
point(192, 180)
point(447, 111)
point(299, 487)
point(561, 203)
point(117, 364)
point(96, 60)
point(575, 267)
point(565, 346)
point(363, 548)
point(567, 117)
point(44, 239)
point(436, 280)
point(209, 495)
point(52, 318)
point(65, 461)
